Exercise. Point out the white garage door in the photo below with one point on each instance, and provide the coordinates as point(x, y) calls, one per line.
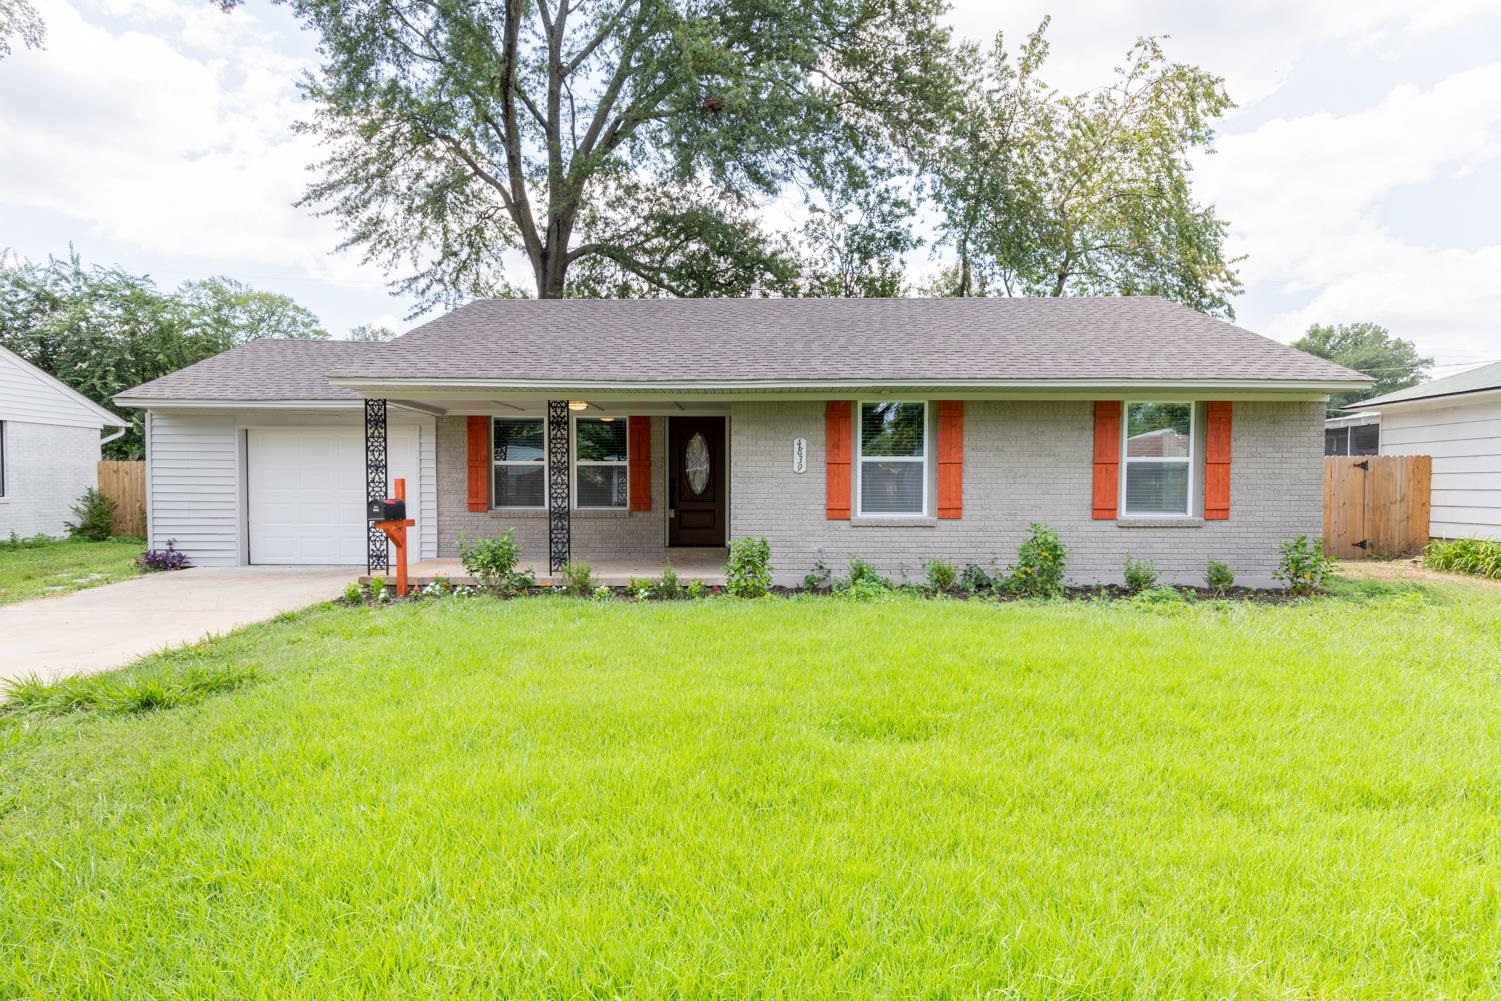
point(306, 493)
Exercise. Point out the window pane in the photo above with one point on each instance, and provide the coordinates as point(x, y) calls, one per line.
point(518, 441)
point(891, 429)
point(891, 487)
point(1157, 488)
point(1365, 439)
point(520, 486)
point(601, 441)
point(1334, 441)
point(601, 486)
point(1158, 429)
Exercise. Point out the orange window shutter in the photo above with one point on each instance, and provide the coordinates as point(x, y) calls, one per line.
point(950, 458)
point(1107, 458)
point(838, 445)
point(1217, 461)
point(640, 463)
point(479, 463)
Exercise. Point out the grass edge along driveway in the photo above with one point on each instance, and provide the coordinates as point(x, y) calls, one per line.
point(30, 571)
point(787, 798)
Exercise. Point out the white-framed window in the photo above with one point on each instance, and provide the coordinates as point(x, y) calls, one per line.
point(519, 454)
point(893, 458)
point(601, 467)
point(1157, 460)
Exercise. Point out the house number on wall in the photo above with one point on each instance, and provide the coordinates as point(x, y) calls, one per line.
point(799, 455)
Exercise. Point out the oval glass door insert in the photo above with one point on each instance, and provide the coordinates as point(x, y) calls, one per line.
point(696, 463)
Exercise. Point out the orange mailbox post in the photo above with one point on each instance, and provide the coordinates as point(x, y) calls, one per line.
point(396, 531)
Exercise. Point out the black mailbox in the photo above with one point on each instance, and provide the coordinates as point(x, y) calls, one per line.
point(390, 509)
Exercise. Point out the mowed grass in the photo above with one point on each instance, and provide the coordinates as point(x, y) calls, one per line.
point(65, 565)
point(551, 798)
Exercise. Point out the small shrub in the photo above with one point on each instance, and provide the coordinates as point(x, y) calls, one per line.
point(942, 577)
point(1140, 575)
point(1159, 596)
point(1476, 556)
point(748, 572)
point(378, 590)
point(1304, 565)
point(94, 512)
point(493, 563)
point(819, 578)
point(974, 580)
point(603, 593)
point(37, 541)
point(1219, 578)
point(1040, 562)
point(698, 589)
point(579, 579)
point(169, 558)
point(353, 593)
point(667, 587)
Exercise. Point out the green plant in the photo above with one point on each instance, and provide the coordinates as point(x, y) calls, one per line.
point(38, 541)
point(95, 512)
point(667, 587)
point(698, 589)
point(493, 561)
point(1475, 556)
point(1159, 596)
point(353, 593)
point(603, 593)
point(1304, 564)
point(578, 578)
point(748, 572)
point(1040, 563)
point(1140, 575)
point(942, 577)
point(378, 590)
point(1219, 578)
point(974, 580)
point(819, 578)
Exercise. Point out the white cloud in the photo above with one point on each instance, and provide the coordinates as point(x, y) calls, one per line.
point(1303, 197)
point(177, 141)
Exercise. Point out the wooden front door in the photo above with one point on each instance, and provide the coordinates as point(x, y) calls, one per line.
point(696, 481)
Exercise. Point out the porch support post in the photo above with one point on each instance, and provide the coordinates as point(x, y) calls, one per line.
point(377, 556)
point(559, 531)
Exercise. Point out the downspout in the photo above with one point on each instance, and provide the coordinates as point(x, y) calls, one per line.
point(114, 437)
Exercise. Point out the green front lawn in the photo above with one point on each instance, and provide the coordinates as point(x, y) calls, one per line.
point(800, 798)
point(28, 571)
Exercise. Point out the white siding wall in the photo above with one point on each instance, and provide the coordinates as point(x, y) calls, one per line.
point(195, 476)
point(34, 397)
point(47, 467)
point(1465, 442)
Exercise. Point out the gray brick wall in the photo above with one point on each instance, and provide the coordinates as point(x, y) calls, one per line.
point(1030, 461)
point(597, 535)
point(47, 468)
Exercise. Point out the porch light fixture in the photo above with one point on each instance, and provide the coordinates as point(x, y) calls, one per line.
point(578, 405)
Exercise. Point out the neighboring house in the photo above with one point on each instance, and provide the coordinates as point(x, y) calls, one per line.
point(1353, 434)
point(1457, 420)
point(49, 448)
point(897, 430)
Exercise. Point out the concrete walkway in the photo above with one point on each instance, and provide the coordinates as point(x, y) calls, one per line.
point(110, 626)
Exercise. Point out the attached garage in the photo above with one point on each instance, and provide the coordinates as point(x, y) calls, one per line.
point(305, 488)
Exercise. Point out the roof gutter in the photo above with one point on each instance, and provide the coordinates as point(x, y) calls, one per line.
point(365, 385)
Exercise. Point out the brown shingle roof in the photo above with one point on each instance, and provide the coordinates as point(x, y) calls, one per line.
point(736, 341)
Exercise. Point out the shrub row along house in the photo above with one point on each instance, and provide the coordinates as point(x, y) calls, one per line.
point(897, 430)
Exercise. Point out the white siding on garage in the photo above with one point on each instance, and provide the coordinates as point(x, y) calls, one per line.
point(1465, 442)
point(192, 487)
point(196, 476)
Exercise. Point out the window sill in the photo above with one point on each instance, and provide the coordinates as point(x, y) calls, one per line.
point(1160, 522)
point(868, 521)
point(585, 513)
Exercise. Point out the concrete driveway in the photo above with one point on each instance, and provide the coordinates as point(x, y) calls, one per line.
point(110, 626)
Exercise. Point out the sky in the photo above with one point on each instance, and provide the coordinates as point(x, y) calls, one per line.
point(1360, 172)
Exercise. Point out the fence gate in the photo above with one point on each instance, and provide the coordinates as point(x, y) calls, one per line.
point(1376, 504)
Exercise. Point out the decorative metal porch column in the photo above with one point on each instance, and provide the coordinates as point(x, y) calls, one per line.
point(377, 556)
point(559, 532)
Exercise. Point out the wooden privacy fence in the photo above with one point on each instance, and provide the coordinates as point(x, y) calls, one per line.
point(125, 483)
point(1376, 504)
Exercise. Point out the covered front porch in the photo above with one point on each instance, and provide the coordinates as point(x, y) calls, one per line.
point(699, 563)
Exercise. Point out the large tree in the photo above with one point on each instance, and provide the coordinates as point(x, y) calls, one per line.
point(611, 144)
point(1368, 348)
point(20, 22)
point(1051, 194)
point(102, 330)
